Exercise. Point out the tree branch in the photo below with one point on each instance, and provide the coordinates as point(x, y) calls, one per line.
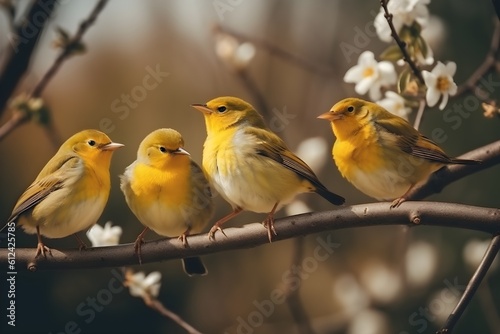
point(69, 48)
point(402, 45)
point(252, 235)
point(489, 64)
point(20, 54)
point(473, 285)
point(488, 154)
point(276, 51)
point(292, 294)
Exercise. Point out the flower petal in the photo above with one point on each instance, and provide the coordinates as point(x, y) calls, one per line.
point(364, 85)
point(375, 93)
point(387, 73)
point(432, 96)
point(430, 79)
point(354, 74)
point(453, 88)
point(451, 68)
point(367, 58)
point(444, 101)
point(153, 278)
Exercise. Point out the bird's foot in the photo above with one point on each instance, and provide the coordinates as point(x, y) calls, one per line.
point(41, 249)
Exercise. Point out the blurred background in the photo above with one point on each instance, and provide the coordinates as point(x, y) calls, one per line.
point(378, 280)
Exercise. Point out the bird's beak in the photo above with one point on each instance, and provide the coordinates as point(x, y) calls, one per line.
point(181, 151)
point(111, 146)
point(330, 116)
point(202, 107)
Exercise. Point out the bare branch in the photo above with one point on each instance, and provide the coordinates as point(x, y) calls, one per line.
point(156, 305)
point(292, 295)
point(252, 235)
point(489, 64)
point(473, 285)
point(17, 120)
point(278, 52)
point(420, 114)
point(24, 43)
point(69, 48)
point(402, 45)
point(488, 154)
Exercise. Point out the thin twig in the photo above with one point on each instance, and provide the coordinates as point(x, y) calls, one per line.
point(25, 41)
point(17, 120)
point(292, 295)
point(69, 48)
point(276, 51)
point(253, 235)
point(474, 283)
point(402, 45)
point(490, 63)
point(252, 88)
point(420, 114)
point(156, 305)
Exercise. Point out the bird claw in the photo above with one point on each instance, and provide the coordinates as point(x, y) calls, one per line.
point(213, 230)
point(183, 239)
point(397, 202)
point(269, 224)
point(41, 249)
point(137, 248)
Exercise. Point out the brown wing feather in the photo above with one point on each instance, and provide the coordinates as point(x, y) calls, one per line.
point(273, 147)
point(412, 142)
point(42, 187)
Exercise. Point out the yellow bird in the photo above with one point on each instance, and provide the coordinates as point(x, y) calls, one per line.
point(168, 192)
point(380, 153)
point(249, 165)
point(70, 192)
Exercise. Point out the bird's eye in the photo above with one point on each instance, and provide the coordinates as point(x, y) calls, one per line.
point(350, 109)
point(221, 109)
point(163, 149)
point(91, 142)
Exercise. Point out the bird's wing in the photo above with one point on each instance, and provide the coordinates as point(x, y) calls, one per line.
point(271, 146)
point(200, 176)
point(411, 141)
point(44, 185)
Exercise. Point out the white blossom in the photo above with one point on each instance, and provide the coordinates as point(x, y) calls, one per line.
point(369, 321)
point(370, 75)
point(421, 263)
point(440, 82)
point(314, 151)
point(382, 283)
point(107, 236)
point(350, 295)
point(233, 52)
point(395, 104)
point(143, 286)
point(404, 12)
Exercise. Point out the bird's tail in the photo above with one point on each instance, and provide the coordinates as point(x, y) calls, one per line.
point(330, 197)
point(194, 266)
point(465, 162)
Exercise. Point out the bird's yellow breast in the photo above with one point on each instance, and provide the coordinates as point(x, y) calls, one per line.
point(168, 186)
point(219, 146)
point(359, 150)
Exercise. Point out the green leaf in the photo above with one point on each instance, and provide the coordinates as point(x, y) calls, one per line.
point(421, 46)
point(403, 80)
point(392, 53)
